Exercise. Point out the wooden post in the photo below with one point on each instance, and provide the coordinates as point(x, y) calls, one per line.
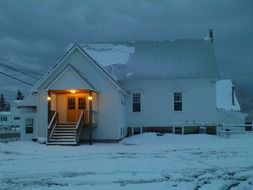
point(141, 130)
point(90, 117)
point(48, 108)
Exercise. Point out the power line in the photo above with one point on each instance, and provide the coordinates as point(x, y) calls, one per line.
point(35, 73)
point(20, 80)
point(20, 71)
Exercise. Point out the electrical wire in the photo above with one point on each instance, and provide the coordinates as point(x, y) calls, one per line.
point(20, 80)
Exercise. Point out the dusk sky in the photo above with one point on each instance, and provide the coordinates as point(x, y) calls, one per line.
point(35, 33)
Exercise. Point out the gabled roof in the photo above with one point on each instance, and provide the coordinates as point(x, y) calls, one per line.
point(185, 58)
point(76, 73)
point(29, 101)
point(64, 57)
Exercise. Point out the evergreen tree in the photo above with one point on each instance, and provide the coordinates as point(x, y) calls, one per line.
point(19, 95)
point(2, 102)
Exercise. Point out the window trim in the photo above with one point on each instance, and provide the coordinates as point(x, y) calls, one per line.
point(74, 105)
point(3, 118)
point(85, 103)
point(29, 125)
point(177, 101)
point(140, 102)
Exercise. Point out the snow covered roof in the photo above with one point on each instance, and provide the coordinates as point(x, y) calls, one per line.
point(5, 113)
point(29, 101)
point(70, 49)
point(224, 96)
point(185, 58)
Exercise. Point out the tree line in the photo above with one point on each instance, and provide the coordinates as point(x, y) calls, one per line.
point(5, 105)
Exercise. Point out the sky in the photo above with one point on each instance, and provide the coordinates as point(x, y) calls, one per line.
point(35, 33)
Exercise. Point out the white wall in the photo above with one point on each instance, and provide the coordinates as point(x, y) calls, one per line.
point(157, 103)
point(28, 113)
point(42, 114)
point(15, 112)
point(121, 115)
point(108, 96)
point(8, 117)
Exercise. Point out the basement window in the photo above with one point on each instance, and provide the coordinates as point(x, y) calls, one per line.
point(136, 102)
point(178, 101)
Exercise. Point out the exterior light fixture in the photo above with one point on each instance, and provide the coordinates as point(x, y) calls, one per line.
point(90, 98)
point(48, 98)
point(72, 91)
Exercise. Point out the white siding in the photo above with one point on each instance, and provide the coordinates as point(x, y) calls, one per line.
point(108, 94)
point(157, 103)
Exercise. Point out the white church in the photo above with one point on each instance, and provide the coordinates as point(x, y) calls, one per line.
point(104, 91)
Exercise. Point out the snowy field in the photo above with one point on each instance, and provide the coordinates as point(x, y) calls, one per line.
point(141, 162)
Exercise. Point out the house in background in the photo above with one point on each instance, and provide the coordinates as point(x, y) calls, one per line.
point(5, 119)
point(98, 91)
point(10, 120)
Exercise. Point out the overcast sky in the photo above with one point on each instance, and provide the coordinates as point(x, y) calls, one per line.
point(35, 33)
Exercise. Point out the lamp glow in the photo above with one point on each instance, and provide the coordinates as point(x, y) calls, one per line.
point(90, 98)
point(48, 98)
point(72, 91)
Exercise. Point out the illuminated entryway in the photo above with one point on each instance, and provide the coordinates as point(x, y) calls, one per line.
point(69, 111)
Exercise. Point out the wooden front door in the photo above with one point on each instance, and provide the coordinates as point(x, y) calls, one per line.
point(75, 105)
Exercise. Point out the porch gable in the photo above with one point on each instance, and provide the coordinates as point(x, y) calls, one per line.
point(69, 78)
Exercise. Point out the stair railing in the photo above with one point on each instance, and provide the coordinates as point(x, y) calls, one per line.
point(79, 127)
point(52, 125)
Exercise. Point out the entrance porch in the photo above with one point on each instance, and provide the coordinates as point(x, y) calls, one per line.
point(69, 112)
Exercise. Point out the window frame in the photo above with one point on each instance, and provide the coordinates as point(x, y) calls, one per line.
point(16, 118)
point(29, 127)
point(178, 101)
point(83, 103)
point(73, 103)
point(3, 118)
point(136, 103)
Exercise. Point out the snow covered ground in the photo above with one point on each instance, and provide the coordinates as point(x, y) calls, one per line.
point(141, 162)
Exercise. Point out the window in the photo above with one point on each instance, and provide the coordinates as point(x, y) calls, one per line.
point(136, 107)
point(71, 103)
point(16, 118)
point(29, 125)
point(81, 104)
point(3, 118)
point(178, 104)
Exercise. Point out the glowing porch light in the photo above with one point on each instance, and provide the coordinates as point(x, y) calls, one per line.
point(48, 98)
point(90, 98)
point(72, 91)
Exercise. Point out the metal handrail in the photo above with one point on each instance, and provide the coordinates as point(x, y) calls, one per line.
point(52, 120)
point(52, 125)
point(79, 126)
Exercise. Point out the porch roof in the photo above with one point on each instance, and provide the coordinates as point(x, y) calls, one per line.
point(29, 101)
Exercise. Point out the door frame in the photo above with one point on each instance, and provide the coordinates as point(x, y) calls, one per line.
point(76, 110)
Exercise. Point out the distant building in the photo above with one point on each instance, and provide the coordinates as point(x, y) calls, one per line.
point(5, 119)
point(11, 120)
